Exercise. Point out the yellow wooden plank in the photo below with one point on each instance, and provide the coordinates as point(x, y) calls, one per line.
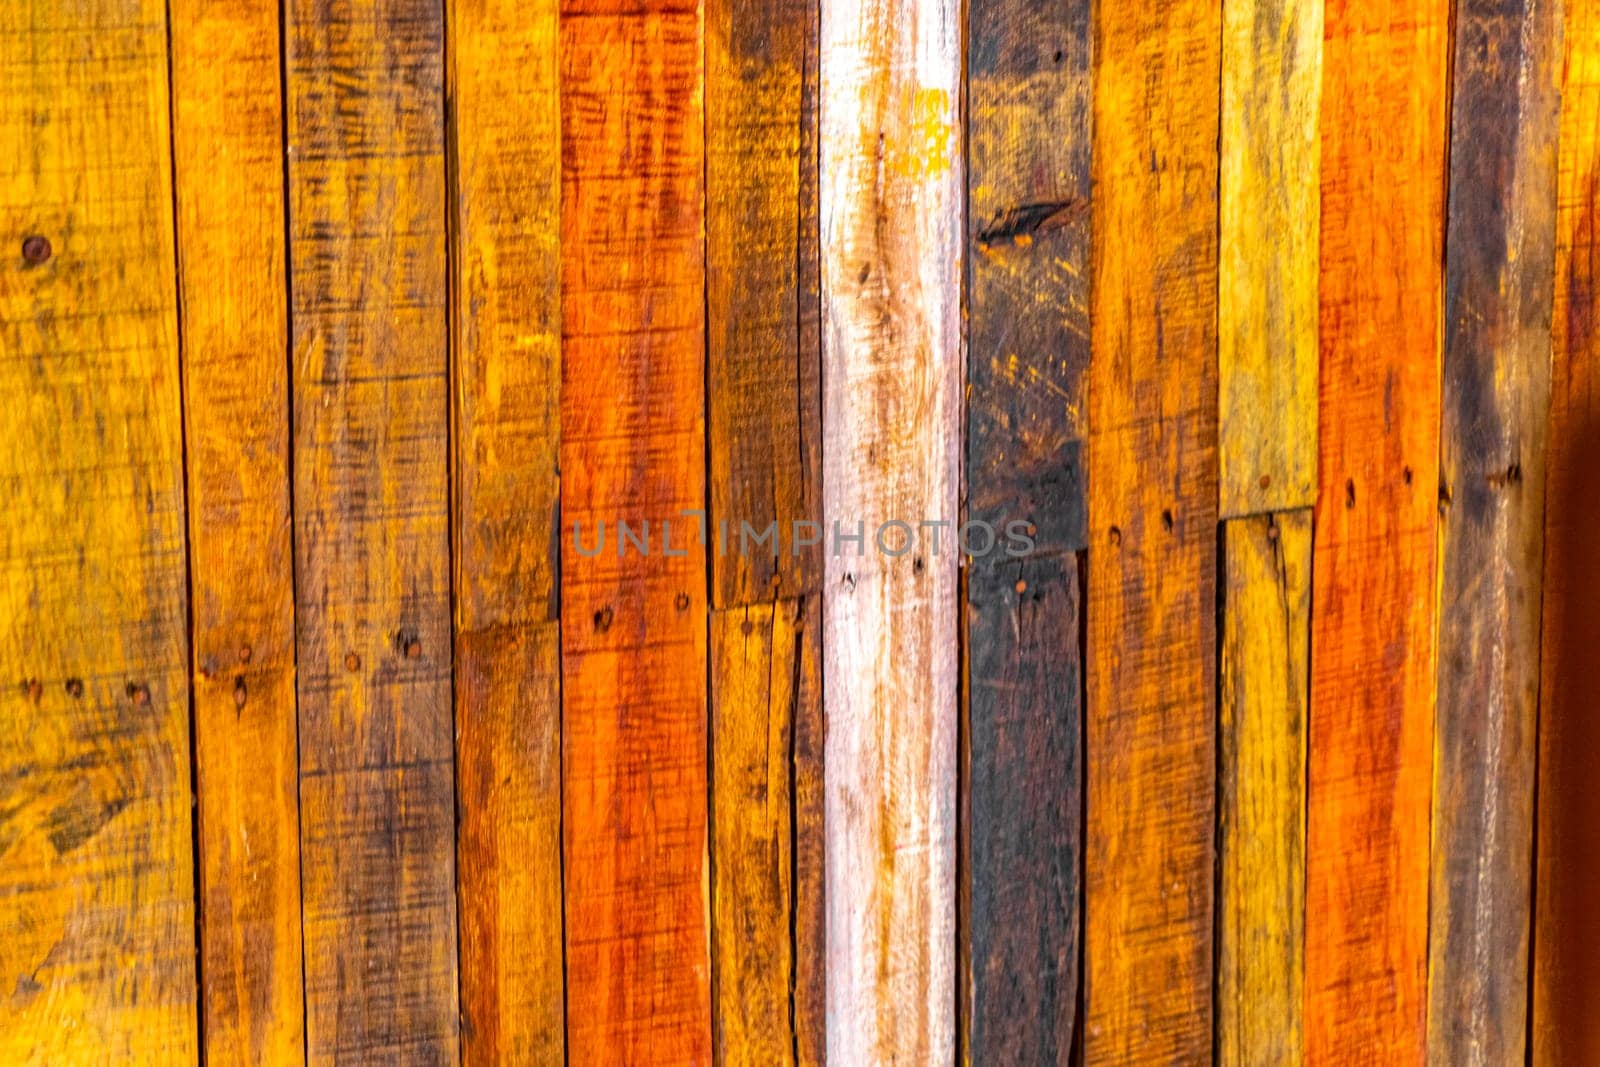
point(506, 333)
point(1267, 284)
point(97, 935)
point(228, 166)
point(1266, 637)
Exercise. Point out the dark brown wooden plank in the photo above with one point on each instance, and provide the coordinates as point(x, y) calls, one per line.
point(371, 492)
point(1499, 279)
point(1024, 809)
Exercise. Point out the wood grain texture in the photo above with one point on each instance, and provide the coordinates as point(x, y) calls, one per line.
point(506, 154)
point(633, 449)
point(1028, 84)
point(97, 936)
point(1566, 934)
point(1372, 644)
point(766, 733)
point(1266, 638)
point(1024, 809)
point(371, 492)
point(228, 166)
point(892, 234)
point(1267, 303)
point(1151, 674)
point(764, 349)
point(1496, 389)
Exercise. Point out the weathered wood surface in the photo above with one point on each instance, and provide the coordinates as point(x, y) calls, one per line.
point(370, 342)
point(506, 341)
point(1372, 645)
point(1266, 638)
point(1500, 245)
point(1151, 674)
point(1028, 178)
point(764, 434)
point(1267, 304)
point(766, 674)
point(97, 935)
point(632, 449)
point(1566, 934)
point(227, 141)
point(892, 234)
point(1025, 684)
point(1028, 86)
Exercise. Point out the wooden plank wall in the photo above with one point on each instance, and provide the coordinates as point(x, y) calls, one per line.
point(448, 607)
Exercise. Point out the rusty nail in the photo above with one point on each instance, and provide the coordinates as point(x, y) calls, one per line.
point(413, 648)
point(74, 687)
point(36, 248)
point(352, 662)
point(683, 600)
point(245, 652)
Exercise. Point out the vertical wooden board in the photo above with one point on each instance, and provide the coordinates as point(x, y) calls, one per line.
point(97, 933)
point(763, 351)
point(367, 258)
point(509, 846)
point(228, 167)
point(1151, 736)
point(892, 235)
point(1566, 935)
point(765, 719)
point(1028, 81)
point(1267, 292)
point(1498, 278)
point(632, 449)
point(1025, 808)
point(1372, 649)
point(505, 279)
point(1266, 638)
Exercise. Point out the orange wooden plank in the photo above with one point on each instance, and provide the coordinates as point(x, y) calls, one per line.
point(365, 103)
point(1566, 935)
point(633, 650)
point(892, 235)
point(97, 936)
point(1151, 675)
point(506, 360)
point(1372, 632)
point(228, 144)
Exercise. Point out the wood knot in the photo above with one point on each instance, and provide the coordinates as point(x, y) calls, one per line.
point(603, 619)
point(139, 693)
point(352, 662)
point(682, 600)
point(33, 689)
point(245, 652)
point(1114, 535)
point(1349, 493)
point(75, 688)
point(1166, 519)
point(240, 692)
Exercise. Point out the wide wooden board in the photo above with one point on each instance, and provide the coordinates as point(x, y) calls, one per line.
point(1372, 644)
point(1266, 643)
point(505, 276)
point(365, 98)
point(1151, 659)
point(97, 937)
point(227, 141)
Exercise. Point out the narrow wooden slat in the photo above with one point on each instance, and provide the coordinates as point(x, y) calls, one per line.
point(97, 935)
point(1566, 935)
point(1151, 760)
point(763, 381)
point(764, 430)
point(1266, 636)
point(505, 277)
point(367, 256)
point(892, 234)
point(1025, 809)
point(633, 654)
point(228, 145)
point(1028, 85)
point(766, 674)
point(1372, 650)
point(1498, 277)
point(1267, 303)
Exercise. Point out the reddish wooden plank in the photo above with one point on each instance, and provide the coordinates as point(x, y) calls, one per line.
point(1372, 643)
point(1151, 669)
point(228, 145)
point(367, 254)
point(633, 654)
